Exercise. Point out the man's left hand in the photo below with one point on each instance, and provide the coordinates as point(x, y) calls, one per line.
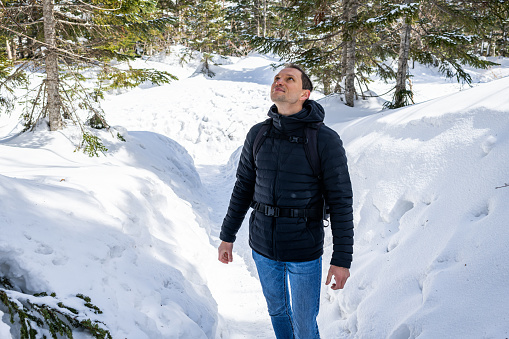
point(340, 274)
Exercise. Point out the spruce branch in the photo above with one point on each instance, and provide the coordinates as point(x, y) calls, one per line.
point(62, 51)
point(32, 313)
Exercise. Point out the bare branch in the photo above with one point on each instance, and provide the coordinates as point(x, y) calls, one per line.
point(24, 24)
point(100, 8)
point(63, 51)
point(65, 15)
point(85, 24)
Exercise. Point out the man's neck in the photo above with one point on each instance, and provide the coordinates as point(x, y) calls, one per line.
point(288, 110)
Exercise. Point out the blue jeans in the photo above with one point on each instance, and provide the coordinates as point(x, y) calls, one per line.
point(299, 282)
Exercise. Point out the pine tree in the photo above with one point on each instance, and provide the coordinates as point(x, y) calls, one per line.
point(437, 34)
point(202, 25)
point(350, 8)
point(340, 41)
point(322, 36)
point(492, 26)
point(244, 22)
point(65, 36)
point(207, 23)
point(53, 101)
point(255, 17)
point(402, 96)
point(10, 77)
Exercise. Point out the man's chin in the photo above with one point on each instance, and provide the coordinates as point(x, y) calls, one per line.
point(277, 97)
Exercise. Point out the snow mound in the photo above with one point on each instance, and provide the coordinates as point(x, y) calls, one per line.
point(430, 194)
point(119, 228)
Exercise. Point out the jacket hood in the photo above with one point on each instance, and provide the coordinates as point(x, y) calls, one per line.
point(311, 112)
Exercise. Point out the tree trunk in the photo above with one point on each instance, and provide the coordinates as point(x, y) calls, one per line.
point(504, 44)
point(53, 103)
point(344, 49)
point(21, 48)
point(344, 53)
point(257, 16)
point(326, 85)
point(353, 5)
point(350, 74)
point(404, 49)
point(264, 18)
point(8, 49)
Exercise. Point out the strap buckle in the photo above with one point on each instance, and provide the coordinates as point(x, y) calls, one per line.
point(298, 140)
point(271, 211)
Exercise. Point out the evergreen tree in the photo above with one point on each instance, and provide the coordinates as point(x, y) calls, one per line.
point(207, 25)
point(340, 41)
point(243, 22)
point(201, 25)
point(434, 34)
point(402, 96)
point(350, 8)
point(65, 36)
point(254, 17)
point(322, 36)
point(492, 26)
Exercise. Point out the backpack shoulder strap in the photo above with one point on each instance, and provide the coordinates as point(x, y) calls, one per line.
point(311, 147)
point(261, 136)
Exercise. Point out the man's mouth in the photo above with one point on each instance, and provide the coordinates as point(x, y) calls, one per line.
point(279, 89)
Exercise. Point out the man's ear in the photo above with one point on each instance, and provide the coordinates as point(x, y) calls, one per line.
point(306, 93)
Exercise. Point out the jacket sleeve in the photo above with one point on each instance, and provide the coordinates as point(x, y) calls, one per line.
point(243, 190)
point(338, 195)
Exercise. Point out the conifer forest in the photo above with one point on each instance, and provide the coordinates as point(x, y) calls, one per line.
point(340, 42)
point(137, 226)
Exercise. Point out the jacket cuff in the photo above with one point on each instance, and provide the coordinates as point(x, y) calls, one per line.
point(226, 237)
point(341, 263)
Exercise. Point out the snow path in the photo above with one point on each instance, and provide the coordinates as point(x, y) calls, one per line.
point(210, 119)
point(235, 286)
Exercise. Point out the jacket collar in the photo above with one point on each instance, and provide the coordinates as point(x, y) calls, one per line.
point(311, 112)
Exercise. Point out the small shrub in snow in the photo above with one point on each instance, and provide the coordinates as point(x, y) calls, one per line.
point(39, 314)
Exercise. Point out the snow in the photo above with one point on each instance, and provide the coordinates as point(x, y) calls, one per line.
point(430, 228)
point(136, 229)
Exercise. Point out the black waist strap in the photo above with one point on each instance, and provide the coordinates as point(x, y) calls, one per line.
point(273, 211)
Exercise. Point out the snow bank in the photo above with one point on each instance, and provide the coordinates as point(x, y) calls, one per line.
point(119, 228)
point(431, 220)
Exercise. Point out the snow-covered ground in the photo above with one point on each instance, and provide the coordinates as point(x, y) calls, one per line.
point(137, 229)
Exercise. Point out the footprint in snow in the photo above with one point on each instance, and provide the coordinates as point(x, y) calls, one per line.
point(44, 249)
point(488, 144)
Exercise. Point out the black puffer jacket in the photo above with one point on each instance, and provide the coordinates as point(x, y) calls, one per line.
point(283, 177)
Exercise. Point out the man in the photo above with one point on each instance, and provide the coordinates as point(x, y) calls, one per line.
point(286, 233)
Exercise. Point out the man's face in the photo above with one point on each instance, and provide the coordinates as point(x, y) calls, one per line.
point(287, 87)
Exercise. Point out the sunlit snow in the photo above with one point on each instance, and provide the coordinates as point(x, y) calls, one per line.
point(137, 229)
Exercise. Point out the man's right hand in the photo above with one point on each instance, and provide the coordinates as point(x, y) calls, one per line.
point(225, 252)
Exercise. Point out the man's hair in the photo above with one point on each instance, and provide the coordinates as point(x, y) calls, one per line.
point(306, 82)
